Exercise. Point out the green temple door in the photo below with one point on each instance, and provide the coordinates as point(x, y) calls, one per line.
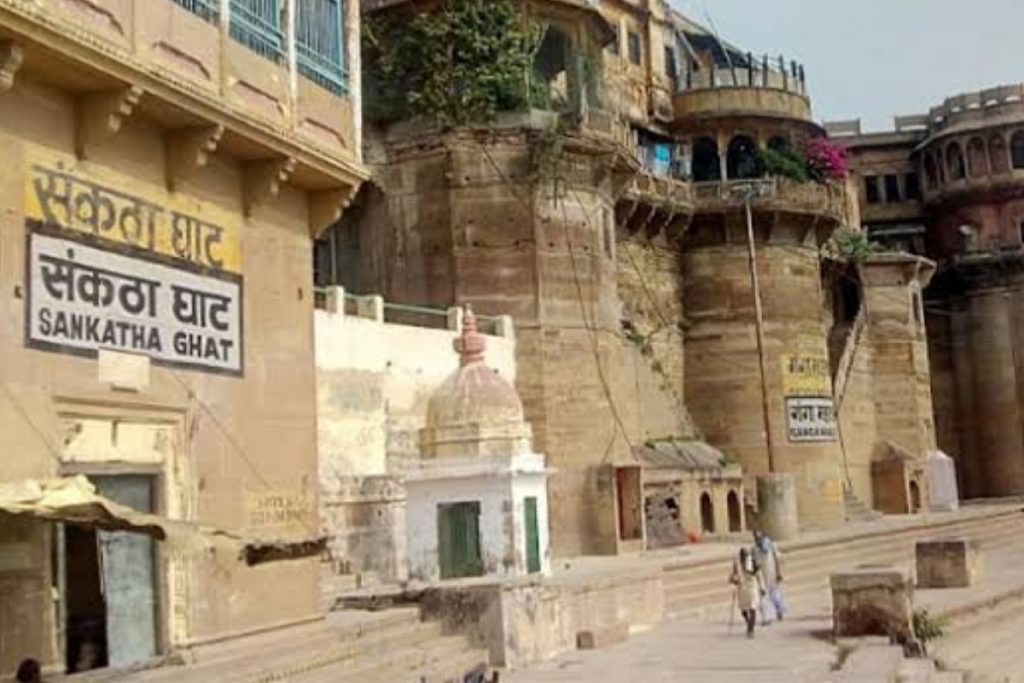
point(458, 540)
point(532, 535)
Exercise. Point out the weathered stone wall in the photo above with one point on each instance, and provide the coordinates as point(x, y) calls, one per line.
point(239, 441)
point(976, 348)
point(517, 222)
point(723, 387)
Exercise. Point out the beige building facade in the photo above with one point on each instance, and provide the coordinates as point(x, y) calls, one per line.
point(166, 169)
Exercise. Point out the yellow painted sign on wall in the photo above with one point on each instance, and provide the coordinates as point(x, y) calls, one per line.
point(74, 195)
point(805, 374)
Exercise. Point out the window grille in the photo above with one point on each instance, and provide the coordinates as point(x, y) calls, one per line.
point(257, 25)
point(206, 9)
point(319, 43)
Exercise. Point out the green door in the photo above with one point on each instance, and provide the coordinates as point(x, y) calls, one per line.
point(458, 540)
point(532, 535)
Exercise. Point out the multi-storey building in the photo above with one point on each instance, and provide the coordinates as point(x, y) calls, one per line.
point(615, 225)
point(948, 185)
point(167, 164)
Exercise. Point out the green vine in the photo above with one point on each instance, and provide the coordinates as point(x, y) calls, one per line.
point(461, 63)
point(853, 245)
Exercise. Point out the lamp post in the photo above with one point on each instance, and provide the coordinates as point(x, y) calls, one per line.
point(747, 192)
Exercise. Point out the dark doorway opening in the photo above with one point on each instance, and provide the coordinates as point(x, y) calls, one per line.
point(111, 586)
point(707, 513)
point(915, 498)
point(458, 540)
point(732, 502)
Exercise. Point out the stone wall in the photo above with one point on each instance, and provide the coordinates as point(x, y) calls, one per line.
point(517, 222)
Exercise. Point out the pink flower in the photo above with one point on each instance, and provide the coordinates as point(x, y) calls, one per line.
point(827, 160)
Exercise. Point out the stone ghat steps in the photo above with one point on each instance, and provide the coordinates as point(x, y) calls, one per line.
point(350, 645)
point(813, 554)
point(695, 598)
point(989, 641)
point(800, 561)
point(449, 659)
point(437, 659)
point(813, 580)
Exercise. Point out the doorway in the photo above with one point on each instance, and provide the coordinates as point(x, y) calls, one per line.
point(915, 497)
point(532, 535)
point(110, 578)
point(628, 491)
point(707, 513)
point(732, 503)
point(458, 540)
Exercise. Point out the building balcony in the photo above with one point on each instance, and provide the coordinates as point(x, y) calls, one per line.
point(773, 195)
point(654, 207)
point(262, 81)
point(743, 91)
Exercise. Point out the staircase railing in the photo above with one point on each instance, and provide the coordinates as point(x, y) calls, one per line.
point(845, 367)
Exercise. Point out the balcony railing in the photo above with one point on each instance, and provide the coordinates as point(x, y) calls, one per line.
point(207, 9)
point(319, 40)
point(257, 25)
point(777, 193)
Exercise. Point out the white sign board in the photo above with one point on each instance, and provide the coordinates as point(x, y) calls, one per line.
point(810, 419)
point(83, 298)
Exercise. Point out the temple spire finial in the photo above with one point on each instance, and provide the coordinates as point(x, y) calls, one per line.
point(470, 345)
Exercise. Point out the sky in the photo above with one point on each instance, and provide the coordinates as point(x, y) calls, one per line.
point(874, 59)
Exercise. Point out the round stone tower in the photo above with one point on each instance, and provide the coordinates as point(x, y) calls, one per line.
point(761, 390)
point(972, 165)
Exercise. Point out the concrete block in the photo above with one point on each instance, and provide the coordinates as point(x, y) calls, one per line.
point(603, 636)
point(950, 563)
point(872, 601)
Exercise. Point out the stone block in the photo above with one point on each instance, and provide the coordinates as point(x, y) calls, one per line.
point(950, 563)
point(872, 601)
point(603, 636)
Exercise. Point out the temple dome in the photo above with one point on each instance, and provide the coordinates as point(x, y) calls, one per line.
point(475, 413)
point(474, 395)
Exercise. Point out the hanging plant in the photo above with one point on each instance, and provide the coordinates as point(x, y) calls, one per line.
point(461, 63)
point(827, 161)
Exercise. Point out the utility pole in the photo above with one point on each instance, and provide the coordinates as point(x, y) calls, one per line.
point(747, 192)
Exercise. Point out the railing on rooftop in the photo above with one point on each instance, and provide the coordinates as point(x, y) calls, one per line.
point(767, 72)
point(372, 307)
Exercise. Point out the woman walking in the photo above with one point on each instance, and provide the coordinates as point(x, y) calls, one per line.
point(746, 576)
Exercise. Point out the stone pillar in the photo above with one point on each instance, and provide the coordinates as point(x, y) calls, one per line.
point(777, 506)
point(722, 383)
point(895, 331)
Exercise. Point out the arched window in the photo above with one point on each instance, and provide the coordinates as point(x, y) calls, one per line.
point(955, 162)
point(931, 174)
point(743, 160)
point(1017, 149)
point(977, 159)
point(706, 164)
point(940, 164)
point(707, 513)
point(779, 143)
point(732, 502)
point(997, 154)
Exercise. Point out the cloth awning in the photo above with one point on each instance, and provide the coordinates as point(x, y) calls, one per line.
point(74, 500)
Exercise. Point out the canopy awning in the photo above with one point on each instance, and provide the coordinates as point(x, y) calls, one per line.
point(74, 500)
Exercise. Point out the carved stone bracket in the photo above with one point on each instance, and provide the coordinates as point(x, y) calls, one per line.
point(326, 207)
point(11, 57)
point(189, 149)
point(261, 180)
point(102, 114)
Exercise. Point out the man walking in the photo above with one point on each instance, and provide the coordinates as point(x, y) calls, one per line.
point(767, 557)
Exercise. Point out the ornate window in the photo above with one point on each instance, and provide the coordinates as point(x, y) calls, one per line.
point(955, 162)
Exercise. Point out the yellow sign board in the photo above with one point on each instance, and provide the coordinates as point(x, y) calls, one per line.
point(63, 192)
point(805, 374)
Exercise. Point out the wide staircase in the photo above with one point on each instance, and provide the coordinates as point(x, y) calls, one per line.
point(348, 646)
point(700, 589)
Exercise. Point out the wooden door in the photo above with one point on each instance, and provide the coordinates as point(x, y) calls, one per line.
point(458, 540)
point(532, 535)
point(129, 576)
